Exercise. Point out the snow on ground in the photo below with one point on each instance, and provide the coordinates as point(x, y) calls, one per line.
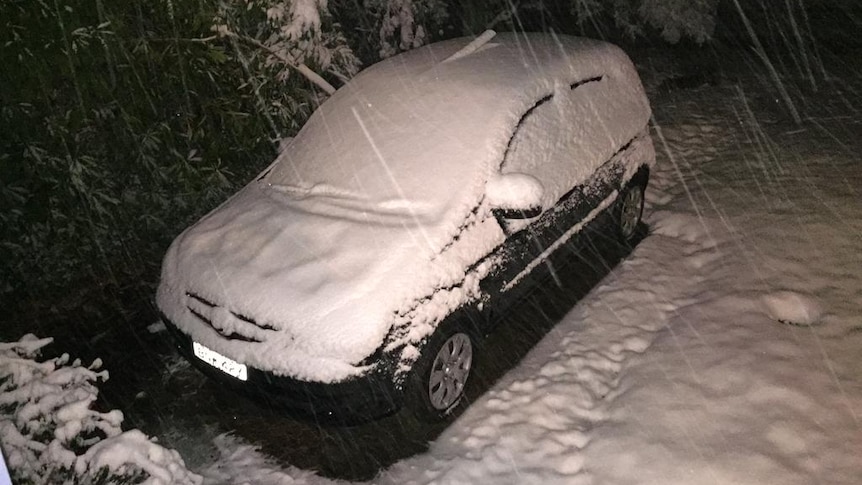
point(756, 381)
point(723, 350)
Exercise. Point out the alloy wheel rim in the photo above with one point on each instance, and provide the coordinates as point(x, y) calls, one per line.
point(630, 213)
point(449, 372)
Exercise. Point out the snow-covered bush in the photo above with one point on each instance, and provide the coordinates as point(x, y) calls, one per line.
point(288, 34)
point(674, 19)
point(404, 24)
point(50, 433)
point(116, 133)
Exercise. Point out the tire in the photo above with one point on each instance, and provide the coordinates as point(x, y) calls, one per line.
point(629, 210)
point(441, 375)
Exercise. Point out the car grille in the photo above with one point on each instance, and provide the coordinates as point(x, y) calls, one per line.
point(205, 311)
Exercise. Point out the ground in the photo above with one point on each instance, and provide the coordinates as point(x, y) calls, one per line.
point(723, 349)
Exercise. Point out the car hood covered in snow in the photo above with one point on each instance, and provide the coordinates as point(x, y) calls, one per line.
point(294, 282)
point(306, 270)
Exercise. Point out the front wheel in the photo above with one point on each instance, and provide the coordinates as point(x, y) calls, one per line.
point(629, 210)
point(440, 376)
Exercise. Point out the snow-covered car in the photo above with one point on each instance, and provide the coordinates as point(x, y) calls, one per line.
point(356, 273)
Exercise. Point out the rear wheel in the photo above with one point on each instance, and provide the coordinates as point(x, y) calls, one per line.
point(442, 372)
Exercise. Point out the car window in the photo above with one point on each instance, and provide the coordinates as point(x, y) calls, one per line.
point(561, 140)
point(378, 142)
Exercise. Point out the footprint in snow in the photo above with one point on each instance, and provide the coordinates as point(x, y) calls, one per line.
point(792, 308)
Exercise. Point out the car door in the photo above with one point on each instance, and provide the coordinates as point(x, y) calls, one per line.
point(562, 141)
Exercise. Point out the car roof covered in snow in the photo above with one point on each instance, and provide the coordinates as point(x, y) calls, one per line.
point(406, 129)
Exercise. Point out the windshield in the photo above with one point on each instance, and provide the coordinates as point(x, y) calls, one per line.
point(351, 149)
point(404, 133)
point(413, 131)
point(379, 146)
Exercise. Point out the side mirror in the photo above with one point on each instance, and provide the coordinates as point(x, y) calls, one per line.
point(514, 195)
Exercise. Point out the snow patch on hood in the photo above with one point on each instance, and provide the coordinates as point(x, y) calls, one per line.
point(320, 277)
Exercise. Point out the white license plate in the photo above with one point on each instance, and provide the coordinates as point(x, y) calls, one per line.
point(220, 362)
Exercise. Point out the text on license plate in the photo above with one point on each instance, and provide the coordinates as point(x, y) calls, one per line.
point(220, 362)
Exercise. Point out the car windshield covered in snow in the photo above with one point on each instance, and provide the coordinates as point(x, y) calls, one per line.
point(399, 145)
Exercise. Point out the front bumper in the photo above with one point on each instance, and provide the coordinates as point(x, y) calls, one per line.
point(370, 396)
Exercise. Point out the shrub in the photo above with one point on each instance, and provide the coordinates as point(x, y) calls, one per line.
point(50, 433)
point(118, 129)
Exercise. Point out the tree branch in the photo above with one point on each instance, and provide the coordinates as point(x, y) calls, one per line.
point(302, 68)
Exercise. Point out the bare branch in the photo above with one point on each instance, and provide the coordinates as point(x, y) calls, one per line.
point(302, 68)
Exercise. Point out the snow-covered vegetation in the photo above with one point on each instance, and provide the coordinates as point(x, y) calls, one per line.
point(675, 19)
point(51, 433)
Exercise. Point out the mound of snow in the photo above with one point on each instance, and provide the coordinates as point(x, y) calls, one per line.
point(791, 307)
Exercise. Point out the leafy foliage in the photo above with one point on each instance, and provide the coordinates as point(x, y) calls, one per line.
point(676, 19)
point(402, 24)
point(51, 434)
point(116, 133)
point(290, 34)
point(673, 19)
